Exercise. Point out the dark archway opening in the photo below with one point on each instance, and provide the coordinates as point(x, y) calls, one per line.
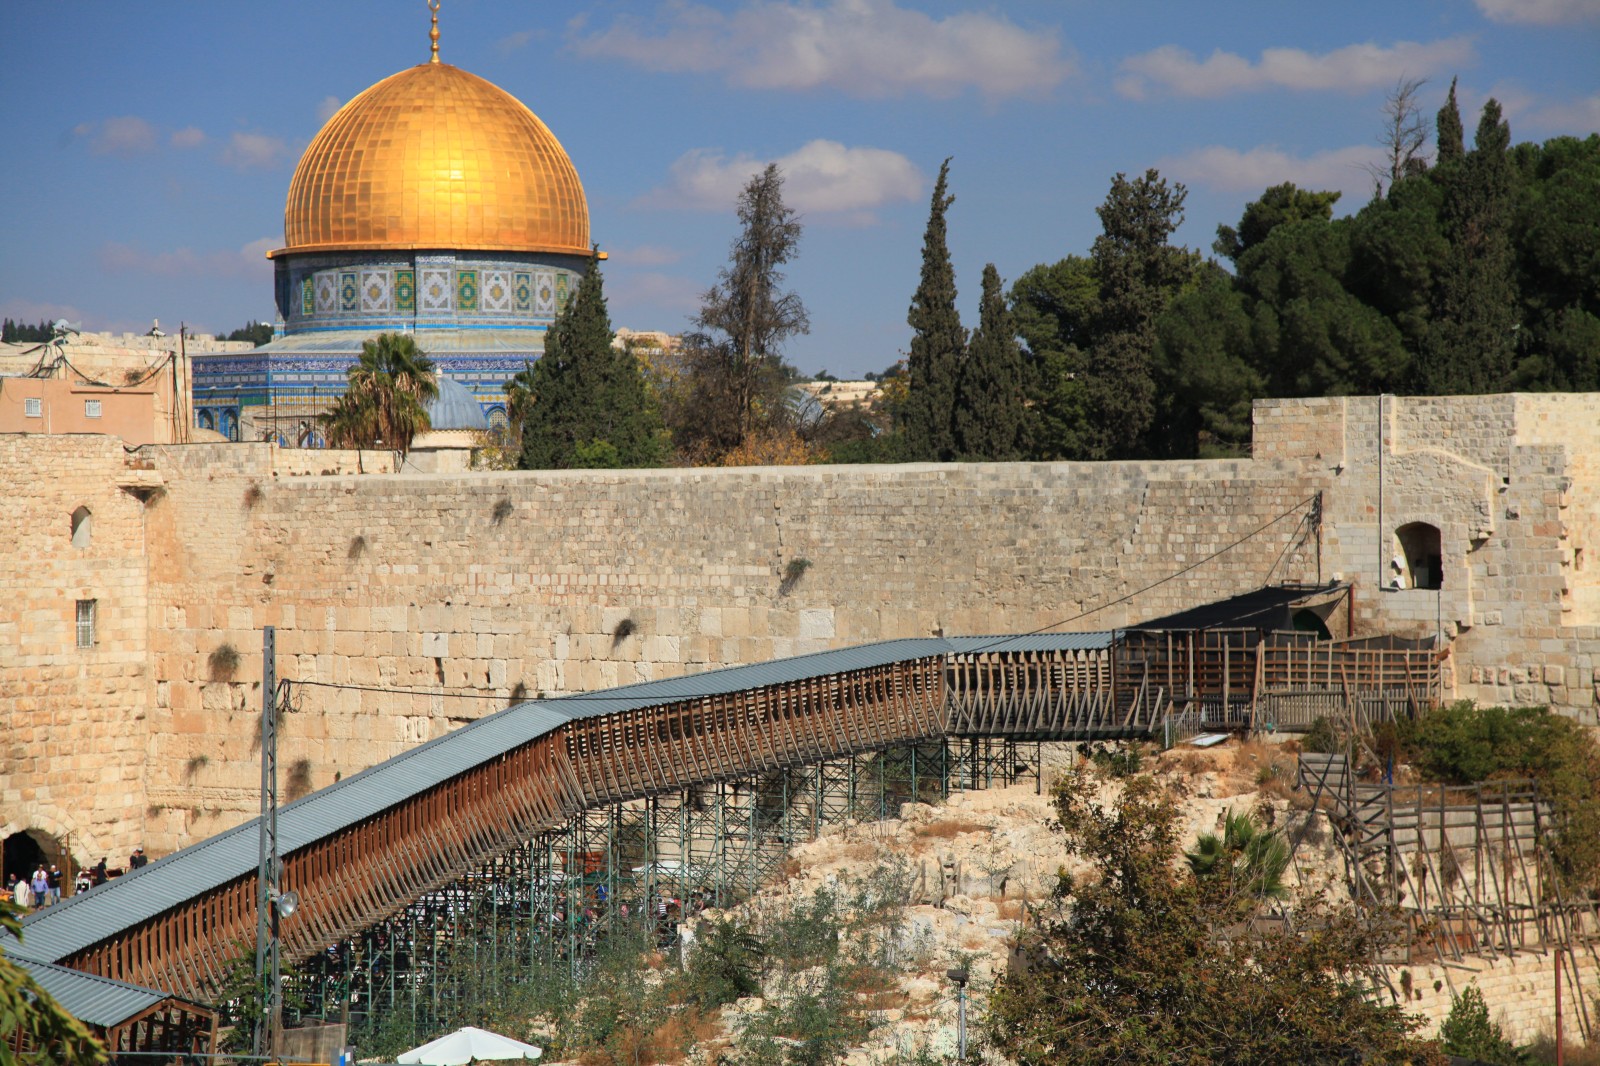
point(1421, 559)
point(1308, 621)
point(23, 855)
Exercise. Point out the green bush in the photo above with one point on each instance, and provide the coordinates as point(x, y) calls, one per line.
point(1469, 1034)
point(727, 962)
point(1463, 743)
point(1322, 738)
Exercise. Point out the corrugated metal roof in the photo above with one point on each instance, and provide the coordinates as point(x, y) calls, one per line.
point(89, 997)
point(88, 918)
point(1034, 642)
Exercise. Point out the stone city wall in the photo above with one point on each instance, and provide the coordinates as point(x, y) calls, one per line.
point(475, 589)
point(479, 588)
point(1519, 992)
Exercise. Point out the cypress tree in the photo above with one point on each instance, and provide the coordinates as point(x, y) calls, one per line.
point(588, 406)
point(1471, 344)
point(1138, 273)
point(1449, 133)
point(991, 405)
point(938, 341)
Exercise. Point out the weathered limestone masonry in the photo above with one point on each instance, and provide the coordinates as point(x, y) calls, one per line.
point(1512, 483)
point(494, 584)
point(74, 721)
point(498, 585)
point(1520, 992)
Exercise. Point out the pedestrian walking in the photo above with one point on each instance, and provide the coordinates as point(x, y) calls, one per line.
point(54, 877)
point(40, 887)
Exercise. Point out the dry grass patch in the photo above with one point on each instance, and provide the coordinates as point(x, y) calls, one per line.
point(949, 830)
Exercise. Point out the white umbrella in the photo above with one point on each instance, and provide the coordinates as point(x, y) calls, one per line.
point(466, 1044)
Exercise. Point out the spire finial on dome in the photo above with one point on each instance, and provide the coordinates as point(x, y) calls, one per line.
point(433, 34)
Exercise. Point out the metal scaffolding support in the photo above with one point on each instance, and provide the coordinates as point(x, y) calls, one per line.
point(638, 868)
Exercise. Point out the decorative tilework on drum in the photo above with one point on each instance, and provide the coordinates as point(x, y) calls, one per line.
point(467, 290)
point(308, 295)
point(375, 291)
point(496, 290)
point(544, 302)
point(438, 294)
point(523, 291)
point(327, 293)
point(349, 293)
point(561, 290)
point(405, 290)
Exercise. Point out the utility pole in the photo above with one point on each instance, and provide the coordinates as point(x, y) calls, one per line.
point(959, 976)
point(267, 964)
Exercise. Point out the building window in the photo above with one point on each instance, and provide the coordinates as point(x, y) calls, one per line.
point(33, 407)
point(86, 623)
point(91, 408)
point(80, 527)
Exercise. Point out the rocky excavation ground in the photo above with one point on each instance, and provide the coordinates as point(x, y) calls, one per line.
point(968, 870)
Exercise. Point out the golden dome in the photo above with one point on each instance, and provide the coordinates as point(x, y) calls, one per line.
point(435, 157)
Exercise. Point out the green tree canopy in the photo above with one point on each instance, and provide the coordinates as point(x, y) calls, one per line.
point(1055, 306)
point(991, 413)
point(1141, 961)
point(584, 404)
point(1278, 205)
point(938, 341)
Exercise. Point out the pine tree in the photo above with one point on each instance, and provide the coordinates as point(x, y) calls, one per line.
point(588, 405)
point(1448, 131)
point(991, 403)
point(938, 341)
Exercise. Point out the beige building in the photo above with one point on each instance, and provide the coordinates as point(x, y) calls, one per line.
point(140, 394)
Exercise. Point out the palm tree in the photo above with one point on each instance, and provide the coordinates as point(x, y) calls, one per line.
point(383, 403)
point(1247, 859)
point(519, 401)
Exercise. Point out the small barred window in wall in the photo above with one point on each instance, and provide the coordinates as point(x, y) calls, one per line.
point(33, 407)
point(86, 623)
point(91, 408)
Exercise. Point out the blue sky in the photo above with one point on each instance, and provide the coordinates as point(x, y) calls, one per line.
point(150, 146)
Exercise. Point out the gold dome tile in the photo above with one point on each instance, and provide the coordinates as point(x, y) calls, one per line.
point(435, 157)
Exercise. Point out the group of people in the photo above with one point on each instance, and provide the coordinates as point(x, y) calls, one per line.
point(40, 890)
point(44, 887)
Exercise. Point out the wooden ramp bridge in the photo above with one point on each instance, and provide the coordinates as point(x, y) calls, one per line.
point(362, 851)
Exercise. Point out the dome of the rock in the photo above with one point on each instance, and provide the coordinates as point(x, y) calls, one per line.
point(435, 157)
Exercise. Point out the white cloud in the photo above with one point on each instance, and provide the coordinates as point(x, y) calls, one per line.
point(254, 151)
point(1229, 169)
point(645, 255)
point(513, 42)
point(188, 137)
point(821, 176)
point(867, 48)
point(1540, 12)
point(126, 135)
point(1356, 67)
point(1576, 117)
point(327, 107)
point(247, 262)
